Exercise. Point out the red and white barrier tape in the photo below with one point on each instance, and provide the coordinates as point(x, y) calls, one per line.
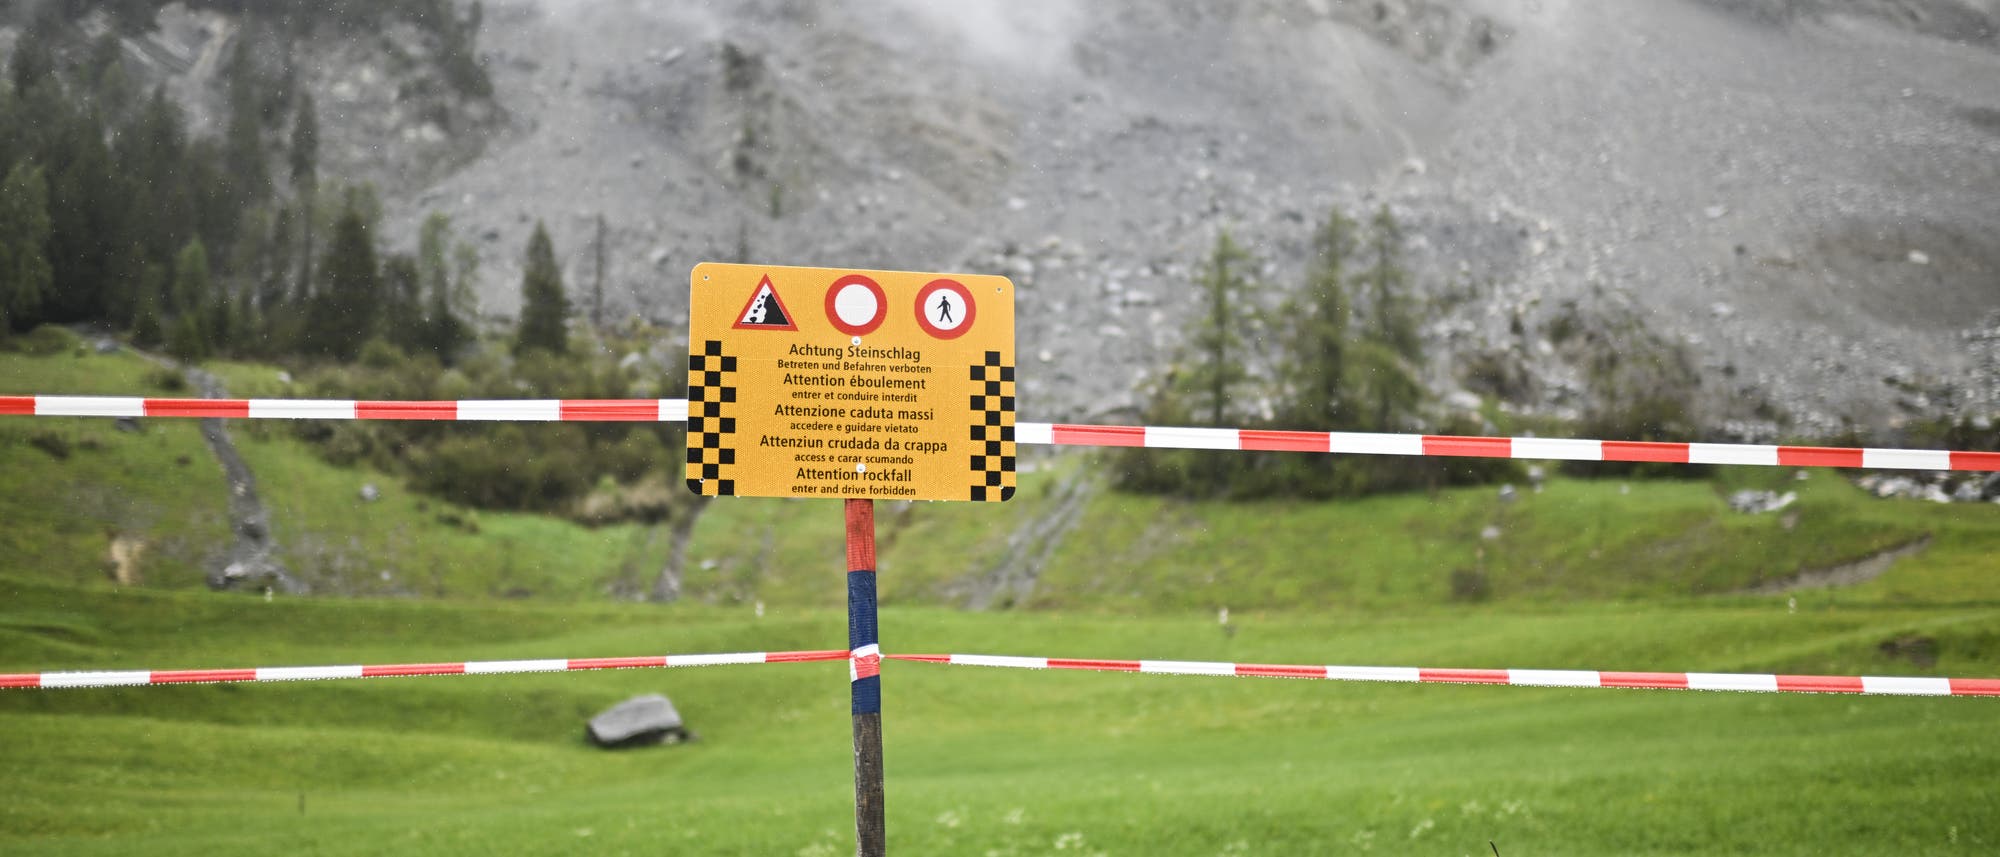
point(1057, 434)
point(1560, 449)
point(517, 410)
point(121, 678)
point(1884, 685)
point(1880, 685)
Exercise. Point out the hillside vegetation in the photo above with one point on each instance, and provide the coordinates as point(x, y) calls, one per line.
point(1067, 542)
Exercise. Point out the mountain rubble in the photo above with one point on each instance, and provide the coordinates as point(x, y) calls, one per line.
point(1793, 195)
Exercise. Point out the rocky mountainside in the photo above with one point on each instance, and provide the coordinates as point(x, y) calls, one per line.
point(1800, 194)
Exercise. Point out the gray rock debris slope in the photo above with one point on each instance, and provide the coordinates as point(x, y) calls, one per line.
point(1800, 191)
point(252, 562)
point(1089, 150)
point(1804, 199)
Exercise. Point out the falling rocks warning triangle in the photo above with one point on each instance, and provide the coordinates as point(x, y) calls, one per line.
point(765, 311)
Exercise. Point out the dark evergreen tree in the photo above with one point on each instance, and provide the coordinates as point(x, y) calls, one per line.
point(1214, 379)
point(189, 336)
point(109, 82)
point(226, 321)
point(25, 275)
point(245, 168)
point(446, 332)
point(33, 63)
point(544, 309)
point(186, 340)
point(90, 245)
point(1314, 369)
point(153, 153)
point(11, 120)
point(276, 270)
point(190, 291)
point(1313, 374)
point(344, 310)
point(597, 277)
point(148, 314)
point(402, 319)
point(1204, 390)
point(217, 206)
point(305, 184)
point(1390, 319)
point(1387, 362)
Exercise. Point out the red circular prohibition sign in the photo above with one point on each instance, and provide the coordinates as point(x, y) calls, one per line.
point(965, 296)
point(833, 313)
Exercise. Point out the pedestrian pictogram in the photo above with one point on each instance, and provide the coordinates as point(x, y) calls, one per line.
point(765, 311)
point(855, 304)
point(945, 309)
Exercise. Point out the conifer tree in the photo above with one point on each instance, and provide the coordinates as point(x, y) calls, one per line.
point(544, 309)
point(247, 173)
point(445, 332)
point(189, 293)
point(185, 338)
point(32, 62)
point(1219, 369)
point(1203, 391)
point(305, 185)
point(597, 277)
point(274, 280)
point(92, 239)
point(148, 312)
point(1387, 361)
point(1391, 321)
point(25, 274)
point(402, 316)
point(346, 308)
point(109, 83)
point(1314, 371)
point(189, 336)
point(465, 283)
point(154, 154)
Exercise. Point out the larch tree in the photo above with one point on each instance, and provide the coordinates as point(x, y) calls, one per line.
point(544, 308)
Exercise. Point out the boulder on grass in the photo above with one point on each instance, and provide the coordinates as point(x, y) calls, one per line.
point(641, 721)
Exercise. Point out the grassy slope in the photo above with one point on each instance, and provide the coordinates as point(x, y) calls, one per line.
point(984, 761)
point(1579, 539)
point(59, 511)
point(160, 483)
point(987, 761)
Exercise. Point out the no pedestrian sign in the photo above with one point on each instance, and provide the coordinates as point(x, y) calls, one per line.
point(821, 382)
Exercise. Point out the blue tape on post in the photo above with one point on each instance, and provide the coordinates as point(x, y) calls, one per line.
point(868, 695)
point(861, 609)
point(865, 659)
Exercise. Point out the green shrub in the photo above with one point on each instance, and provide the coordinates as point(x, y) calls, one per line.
point(52, 443)
point(166, 379)
point(45, 341)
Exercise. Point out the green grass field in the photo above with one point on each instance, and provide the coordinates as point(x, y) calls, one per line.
point(988, 761)
point(1587, 575)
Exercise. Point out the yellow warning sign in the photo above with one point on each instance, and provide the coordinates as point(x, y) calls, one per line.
point(821, 382)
